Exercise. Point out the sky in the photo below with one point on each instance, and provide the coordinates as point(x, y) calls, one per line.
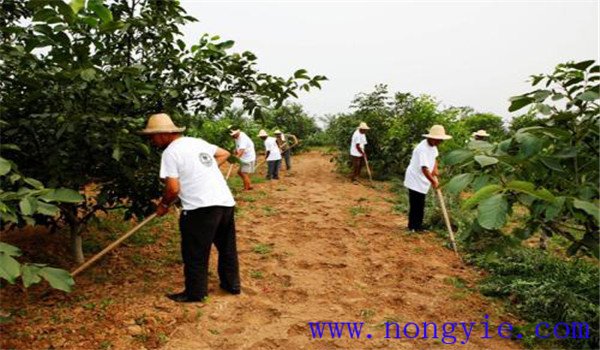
point(464, 53)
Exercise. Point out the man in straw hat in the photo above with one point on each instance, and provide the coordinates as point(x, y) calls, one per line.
point(244, 150)
point(480, 135)
point(357, 150)
point(190, 169)
point(422, 173)
point(272, 155)
point(284, 145)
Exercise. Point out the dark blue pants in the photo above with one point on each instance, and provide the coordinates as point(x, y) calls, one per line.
point(287, 156)
point(416, 211)
point(200, 228)
point(273, 169)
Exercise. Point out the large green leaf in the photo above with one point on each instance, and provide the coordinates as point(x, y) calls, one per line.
point(529, 188)
point(34, 183)
point(459, 182)
point(30, 275)
point(457, 156)
point(588, 207)
point(4, 166)
point(485, 160)
point(531, 144)
point(77, 5)
point(10, 269)
point(58, 278)
point(483, 193)
point(518, 103)
point(63, 195)
point(589, 95)
point(28, 206)
point(491, 212)
point(47, 209)
point(99, 9)
point(9, 249)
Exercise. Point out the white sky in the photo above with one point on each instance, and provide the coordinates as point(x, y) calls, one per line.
point(465, 53)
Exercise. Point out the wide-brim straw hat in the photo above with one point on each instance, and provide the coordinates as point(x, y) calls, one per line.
point(363, 126)
point(160, 123)
point(481, 133)
point(263, 133)
point(277, 132)
point(437, 132)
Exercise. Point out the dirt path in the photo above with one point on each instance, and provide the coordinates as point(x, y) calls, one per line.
point(314, 247)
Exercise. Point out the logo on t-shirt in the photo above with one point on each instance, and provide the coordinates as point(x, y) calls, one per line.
point(206, 159)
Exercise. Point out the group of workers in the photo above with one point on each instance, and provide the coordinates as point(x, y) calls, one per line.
point(276, 148)
point(190, 170)
point(422, 171)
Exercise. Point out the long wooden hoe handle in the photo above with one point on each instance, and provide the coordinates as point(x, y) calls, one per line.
point(447, 220)
point(229, 171)
point(112, 246)
point(368, 168)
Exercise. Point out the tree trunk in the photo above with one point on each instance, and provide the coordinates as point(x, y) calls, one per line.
point(76, 245)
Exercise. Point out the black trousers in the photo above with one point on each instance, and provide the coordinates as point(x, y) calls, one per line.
point(273, 169)
point(200, 228)
point(417, 210)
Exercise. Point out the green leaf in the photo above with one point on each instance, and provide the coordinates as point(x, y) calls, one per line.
point(459, 182)
point(529, 188)
point(483, 193)
point(480, 181)
point(531, 144)
point(34, 183)
point(589, 95)
point(88, 74)
point(583, 64)
point(491, 212)
point(590, 208)
point(544, 109)
point(62, 195)
point(552, 163)
point(555, 208)
point(10, 269)
point(77, 5)
point(457, 156)
point(519, 103)
point(58, 278)
point(117, 153)
point(4, 166)
point(485, 160)
point(29, 274)
point(43, 14)
point(9, 249)
point(99, 9)
point(300, 73)
point(479, 145)
point(28, 205)
point(47, 209)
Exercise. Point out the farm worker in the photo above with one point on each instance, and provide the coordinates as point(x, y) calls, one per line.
point(357, 150)
point(422, 173)
point(480, 135)
point(244, 150)
point(284, 145)
point(272, 155)
point(190, 169)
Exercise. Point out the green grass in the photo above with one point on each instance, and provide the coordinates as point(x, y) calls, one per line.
point(256, 274)
point(262, 249)
point(269, 211)
point(359, 210)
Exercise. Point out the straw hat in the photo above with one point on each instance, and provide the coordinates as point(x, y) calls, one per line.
point(437, 132)
point(277, 132)
point(363, 126)
point(481, 133)
point(160, 123)
point(262, 133)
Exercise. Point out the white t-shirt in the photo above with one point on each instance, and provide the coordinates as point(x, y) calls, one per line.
point(423, 155)
point(201, 183)
point(245, 142)
point(359, 138)
point(271, 146)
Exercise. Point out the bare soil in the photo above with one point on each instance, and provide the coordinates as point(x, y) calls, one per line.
point(312, 246)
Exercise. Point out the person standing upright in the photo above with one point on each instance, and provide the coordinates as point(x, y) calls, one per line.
point(190, 169)
point(421, 174)
point(357, 150)
point(244, 150)
point(284, 145)
point(272, 155)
